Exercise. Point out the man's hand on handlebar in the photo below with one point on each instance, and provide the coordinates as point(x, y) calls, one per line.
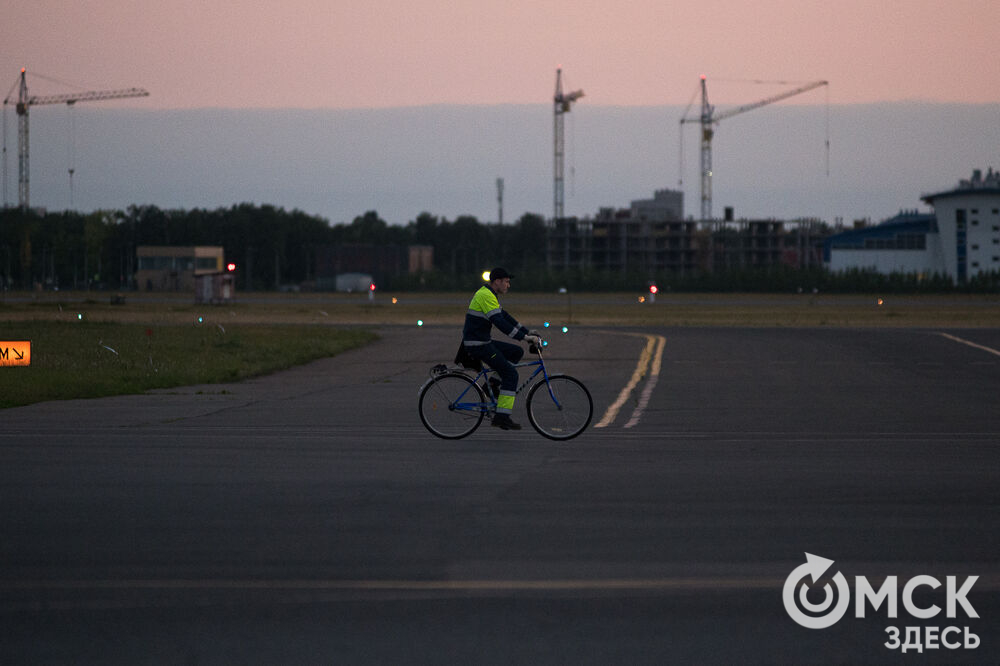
point(534, 339)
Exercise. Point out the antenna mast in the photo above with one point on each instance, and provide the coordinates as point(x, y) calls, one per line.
point(500, 200)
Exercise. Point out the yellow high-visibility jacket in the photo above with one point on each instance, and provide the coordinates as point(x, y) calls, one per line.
point(484, 313)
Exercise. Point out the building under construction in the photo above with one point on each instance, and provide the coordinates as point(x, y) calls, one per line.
point(652, 236)
point(762, 244)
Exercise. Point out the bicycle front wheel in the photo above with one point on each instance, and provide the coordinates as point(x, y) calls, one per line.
point(451, 405)
point(560, 408)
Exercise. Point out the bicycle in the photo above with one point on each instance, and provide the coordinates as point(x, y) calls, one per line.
point(452, 404)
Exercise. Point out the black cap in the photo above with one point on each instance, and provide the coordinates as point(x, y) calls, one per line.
point(499, 274)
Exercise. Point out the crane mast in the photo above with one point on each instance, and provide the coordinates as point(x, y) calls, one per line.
point(706, 152)
point(24, 101)
point(562, 105)
point(22, 143)
point(708, 118)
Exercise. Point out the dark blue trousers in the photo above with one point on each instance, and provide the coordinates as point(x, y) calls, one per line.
point(501, 356)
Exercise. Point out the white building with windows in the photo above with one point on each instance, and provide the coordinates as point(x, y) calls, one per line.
point(960, 239)
point(968, 221)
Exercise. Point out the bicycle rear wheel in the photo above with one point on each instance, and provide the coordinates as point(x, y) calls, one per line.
point(560, 408)
point(451, 405)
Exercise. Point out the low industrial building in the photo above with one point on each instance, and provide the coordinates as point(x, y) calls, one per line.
point(959, 240)
point(378, 263)
point(174, 268)
point(905, 243)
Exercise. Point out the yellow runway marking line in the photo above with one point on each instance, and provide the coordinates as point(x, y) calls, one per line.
point(641, 369)
point(647, 390)
point(971, 344)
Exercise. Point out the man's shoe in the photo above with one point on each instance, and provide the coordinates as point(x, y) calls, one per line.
point(504, 422)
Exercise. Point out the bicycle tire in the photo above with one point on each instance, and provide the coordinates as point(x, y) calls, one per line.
point(437, 410)
point(565, 419)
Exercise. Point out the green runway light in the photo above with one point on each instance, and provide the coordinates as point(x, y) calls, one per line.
point(545, 325)
point(79, 316)
point(420, 322)
point(565, 329)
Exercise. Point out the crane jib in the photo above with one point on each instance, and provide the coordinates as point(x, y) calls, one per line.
point(24, 101)
point(708, 118)
point(93, 96)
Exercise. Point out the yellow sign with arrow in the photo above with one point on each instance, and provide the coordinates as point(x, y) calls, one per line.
point(15, 352)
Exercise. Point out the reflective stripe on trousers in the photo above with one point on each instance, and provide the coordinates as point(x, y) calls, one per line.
point(505, 402)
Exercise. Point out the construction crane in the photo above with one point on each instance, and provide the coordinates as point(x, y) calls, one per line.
point(24, 102)
point(708, 118)
point(563, 103)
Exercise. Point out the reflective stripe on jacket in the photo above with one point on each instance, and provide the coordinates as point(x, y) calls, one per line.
point(485, 313)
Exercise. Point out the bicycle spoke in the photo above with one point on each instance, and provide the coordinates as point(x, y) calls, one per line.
point(560, 408)
point(451, 406)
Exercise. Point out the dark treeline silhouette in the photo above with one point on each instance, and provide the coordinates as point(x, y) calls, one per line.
point(271, 246)
point(274, 247)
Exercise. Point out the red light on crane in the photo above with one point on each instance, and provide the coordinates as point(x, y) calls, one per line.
point(371, 287)
point(653, 289)
point(230, 267)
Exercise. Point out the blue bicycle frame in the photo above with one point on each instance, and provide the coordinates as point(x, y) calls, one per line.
point(487, 407)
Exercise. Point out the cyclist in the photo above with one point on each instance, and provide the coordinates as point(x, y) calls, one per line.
point(484, 313)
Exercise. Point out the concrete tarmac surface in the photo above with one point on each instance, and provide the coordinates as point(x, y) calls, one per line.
point(308, 517)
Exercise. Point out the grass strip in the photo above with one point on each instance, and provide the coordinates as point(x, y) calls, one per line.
point(95, 359)
point(600, 309)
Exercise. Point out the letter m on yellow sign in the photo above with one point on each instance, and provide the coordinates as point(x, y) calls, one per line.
point(15, 352)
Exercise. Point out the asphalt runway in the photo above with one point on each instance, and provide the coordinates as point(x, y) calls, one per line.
point(307, 517)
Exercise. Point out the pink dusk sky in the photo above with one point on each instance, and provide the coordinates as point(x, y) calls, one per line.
point(386, 53)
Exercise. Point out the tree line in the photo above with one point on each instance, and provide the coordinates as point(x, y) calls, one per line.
point(274, 247)
point(271, 246)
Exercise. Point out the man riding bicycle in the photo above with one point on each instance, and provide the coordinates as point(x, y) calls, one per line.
point(484, 313)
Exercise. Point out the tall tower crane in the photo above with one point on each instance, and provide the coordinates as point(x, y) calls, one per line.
point(708, 118)
point(563, 104)
point(24, 101)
